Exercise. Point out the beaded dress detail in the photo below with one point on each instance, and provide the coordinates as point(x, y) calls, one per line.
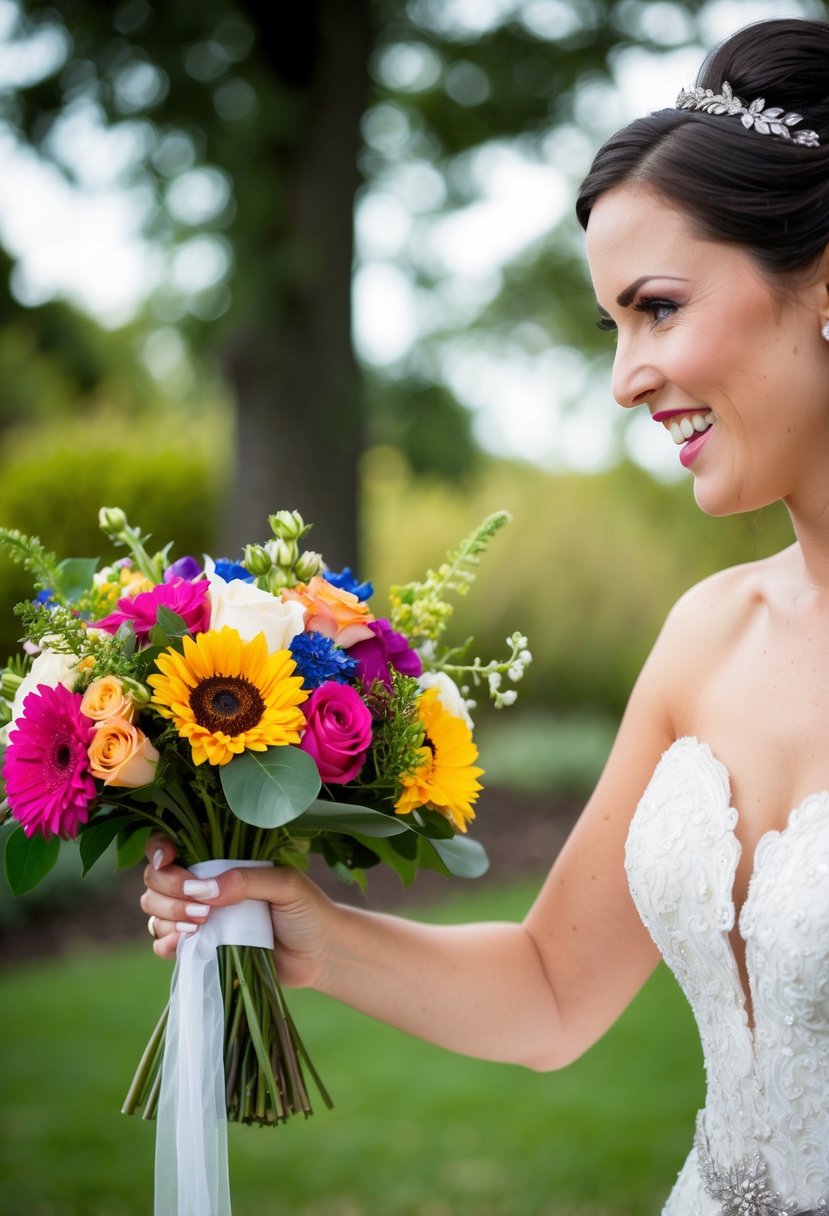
point(762, 1141)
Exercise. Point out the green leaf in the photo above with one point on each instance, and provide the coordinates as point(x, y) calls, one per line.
point(349, 817)
point(168, 628)
point(460, 856)
point(76, 574)
point(131, 847)
point(272, 788)
point(96, 838)
point(29, 859)
point(432, 824)
point(402, 860)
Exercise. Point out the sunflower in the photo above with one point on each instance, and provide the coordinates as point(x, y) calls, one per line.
point(446, 778)
point(228, 696)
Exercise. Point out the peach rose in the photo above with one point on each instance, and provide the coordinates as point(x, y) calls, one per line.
point(121, 755)
point(333, 612)
point(106, 699)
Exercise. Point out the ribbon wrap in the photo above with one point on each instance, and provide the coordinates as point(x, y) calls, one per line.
point(191, 1171)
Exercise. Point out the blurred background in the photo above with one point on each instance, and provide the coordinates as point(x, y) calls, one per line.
point(321, 256)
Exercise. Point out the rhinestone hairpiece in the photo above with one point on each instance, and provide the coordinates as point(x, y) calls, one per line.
point(772, 121)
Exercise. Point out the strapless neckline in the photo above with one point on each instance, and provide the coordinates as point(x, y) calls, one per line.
point(706, 754)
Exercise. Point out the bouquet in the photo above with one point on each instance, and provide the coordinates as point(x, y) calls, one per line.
point(257, 712)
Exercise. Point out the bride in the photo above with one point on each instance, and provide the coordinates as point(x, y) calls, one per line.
point(707, 230)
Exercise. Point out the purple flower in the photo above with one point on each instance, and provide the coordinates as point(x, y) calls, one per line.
point(338, 732)
point(189, 600)
point(188, 568)
point(387, 649)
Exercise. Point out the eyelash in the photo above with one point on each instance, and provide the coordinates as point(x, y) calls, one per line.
point(653, 305)
point(647, 304)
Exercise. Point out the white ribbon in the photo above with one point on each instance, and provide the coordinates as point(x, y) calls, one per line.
point(191, 1173)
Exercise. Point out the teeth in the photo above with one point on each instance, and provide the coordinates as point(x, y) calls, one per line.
point(682, 429)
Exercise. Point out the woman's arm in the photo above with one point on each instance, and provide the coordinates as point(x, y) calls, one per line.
point(537, 993)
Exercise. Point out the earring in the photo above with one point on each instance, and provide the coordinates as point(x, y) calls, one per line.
point(824, 333)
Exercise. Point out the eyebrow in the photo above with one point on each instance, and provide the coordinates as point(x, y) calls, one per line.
point(626, 297)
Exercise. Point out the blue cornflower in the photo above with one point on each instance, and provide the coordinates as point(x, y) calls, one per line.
point(346, 581)
point(46, 598)
point(229, 570)
point(318, 660)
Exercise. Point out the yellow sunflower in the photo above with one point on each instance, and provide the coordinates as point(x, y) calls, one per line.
point(446, 779)
point(228, 696)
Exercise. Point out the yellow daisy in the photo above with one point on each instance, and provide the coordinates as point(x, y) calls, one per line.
point(446, 779)
point(228, 696)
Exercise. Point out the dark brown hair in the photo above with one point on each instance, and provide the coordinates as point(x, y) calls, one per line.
point(763, 192)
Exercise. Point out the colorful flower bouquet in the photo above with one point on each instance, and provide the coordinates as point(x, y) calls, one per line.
point(255, 711)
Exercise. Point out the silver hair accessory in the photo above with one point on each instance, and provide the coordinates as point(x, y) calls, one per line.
point(755, 116)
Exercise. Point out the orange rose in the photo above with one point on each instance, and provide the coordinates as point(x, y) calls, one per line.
point(106, 699)
point(329, 610)
point(121, 755)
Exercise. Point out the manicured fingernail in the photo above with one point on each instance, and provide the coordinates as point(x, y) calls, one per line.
point(201, 888)
point(158, 857)
point(183, 927)
point(197, 911)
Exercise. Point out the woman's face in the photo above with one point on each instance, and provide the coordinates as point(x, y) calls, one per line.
point(736, 373)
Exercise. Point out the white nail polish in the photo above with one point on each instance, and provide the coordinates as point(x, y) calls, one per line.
point(158, 857)
point(183, 927)
point(201, 888)
point(197, 911)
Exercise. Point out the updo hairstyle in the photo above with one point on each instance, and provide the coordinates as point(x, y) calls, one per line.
point(763, 192)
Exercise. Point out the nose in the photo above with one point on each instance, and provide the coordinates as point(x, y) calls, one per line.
point(634, 381)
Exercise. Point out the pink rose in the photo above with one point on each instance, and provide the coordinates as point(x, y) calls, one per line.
point(338, 732)
point(189, 600)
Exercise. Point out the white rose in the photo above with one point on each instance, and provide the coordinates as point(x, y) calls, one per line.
point(51, 667)
point(250, 610)
point(449, 695)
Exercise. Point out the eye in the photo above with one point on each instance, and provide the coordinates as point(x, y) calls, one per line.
point(660, 310)
point(605, 321)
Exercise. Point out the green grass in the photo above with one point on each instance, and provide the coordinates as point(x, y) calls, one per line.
point(415, 1131)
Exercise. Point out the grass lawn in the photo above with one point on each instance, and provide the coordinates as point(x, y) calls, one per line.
point(415, 1131)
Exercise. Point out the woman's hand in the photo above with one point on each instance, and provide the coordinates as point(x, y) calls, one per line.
point(179, 902)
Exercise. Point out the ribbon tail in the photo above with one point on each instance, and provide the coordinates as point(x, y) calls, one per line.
point(191, 1169)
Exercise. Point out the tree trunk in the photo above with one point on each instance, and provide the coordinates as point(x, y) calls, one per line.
point(299, 410)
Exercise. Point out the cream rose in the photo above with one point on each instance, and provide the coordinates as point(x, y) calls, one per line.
point(250, 610)
point(51, 667)
point(105, 699)
point(449, 695)
point(121, 755)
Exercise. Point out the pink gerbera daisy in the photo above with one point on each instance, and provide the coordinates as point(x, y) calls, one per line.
point(46, 770)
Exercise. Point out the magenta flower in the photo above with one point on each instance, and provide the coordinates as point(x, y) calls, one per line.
point(377, 655)
point(46, 770)
point(189, 600)
point(338, 732)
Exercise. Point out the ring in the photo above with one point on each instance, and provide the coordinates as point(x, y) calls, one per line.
point(151, 927)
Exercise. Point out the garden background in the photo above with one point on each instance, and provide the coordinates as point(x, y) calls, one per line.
point(354, 288)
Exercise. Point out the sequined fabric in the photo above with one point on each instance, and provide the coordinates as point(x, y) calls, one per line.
point(764, 1150)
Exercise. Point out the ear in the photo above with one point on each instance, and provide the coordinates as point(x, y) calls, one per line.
point(822, 286)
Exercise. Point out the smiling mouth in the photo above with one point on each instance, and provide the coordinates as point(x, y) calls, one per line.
point(684, 426)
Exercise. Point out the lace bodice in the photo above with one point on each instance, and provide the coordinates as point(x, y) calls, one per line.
point(767, 1105)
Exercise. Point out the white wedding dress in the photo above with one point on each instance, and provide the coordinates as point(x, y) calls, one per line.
point(762, 1141)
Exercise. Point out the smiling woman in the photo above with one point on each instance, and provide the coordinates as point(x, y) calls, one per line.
point(708, 240)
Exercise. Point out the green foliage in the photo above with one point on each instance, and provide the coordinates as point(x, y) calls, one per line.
point(28, 859)
point(52, 487)
point(271, 789)
point(592, 566)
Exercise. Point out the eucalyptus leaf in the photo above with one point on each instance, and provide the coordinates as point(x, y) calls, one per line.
point(461, 856)
point(76, 575)
point(28, 859)
point(270, 789)
point(349, 817)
